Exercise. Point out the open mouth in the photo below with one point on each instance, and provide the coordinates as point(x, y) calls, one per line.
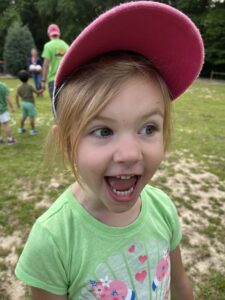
point(123, 187)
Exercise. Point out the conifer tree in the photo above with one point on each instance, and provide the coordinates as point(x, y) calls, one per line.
point(18, 44)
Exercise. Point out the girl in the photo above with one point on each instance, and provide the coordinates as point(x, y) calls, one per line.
point(110, 235)
point(35, 67)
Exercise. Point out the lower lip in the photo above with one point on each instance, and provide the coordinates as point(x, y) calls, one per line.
point(124, 198)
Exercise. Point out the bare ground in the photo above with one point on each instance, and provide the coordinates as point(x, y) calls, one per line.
point(200, 200)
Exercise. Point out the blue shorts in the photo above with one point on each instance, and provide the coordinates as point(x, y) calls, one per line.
point(28, 109)
point(51, 88)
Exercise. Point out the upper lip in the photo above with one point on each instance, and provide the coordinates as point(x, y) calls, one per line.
point(123, 174)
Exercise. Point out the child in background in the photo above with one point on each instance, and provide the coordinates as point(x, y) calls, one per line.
point(35, 67)
point(5, 100)
point(111, 235)
point(26, 92)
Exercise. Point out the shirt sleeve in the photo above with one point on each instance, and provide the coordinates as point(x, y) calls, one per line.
point(175, 228)
point(40, 264)
point(46, 53)
point(167, 214)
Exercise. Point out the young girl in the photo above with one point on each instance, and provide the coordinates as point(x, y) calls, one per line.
point(110, 235)
point(35, 67)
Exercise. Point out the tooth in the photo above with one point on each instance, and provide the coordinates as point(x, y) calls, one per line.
point(123, 193)
point(124, 177)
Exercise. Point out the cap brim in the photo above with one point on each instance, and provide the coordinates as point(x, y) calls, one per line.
point(54, 33)
point(159, 32)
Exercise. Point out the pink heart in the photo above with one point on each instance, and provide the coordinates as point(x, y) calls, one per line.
point(131, 249)
point(141, 276)
point(142, 258)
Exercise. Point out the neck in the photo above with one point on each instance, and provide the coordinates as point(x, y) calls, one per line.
point(101, 213)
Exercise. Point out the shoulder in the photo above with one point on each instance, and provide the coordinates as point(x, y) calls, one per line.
point(19, 87)
point(156, 194)
point(46, 45)
point(163, 213)
point(30, 86)
point(4, 87)
point(58, 212)
point(159, 201)
point(62, 42)
point(47, 48)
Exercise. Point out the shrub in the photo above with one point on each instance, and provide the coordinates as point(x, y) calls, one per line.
point(17, 47)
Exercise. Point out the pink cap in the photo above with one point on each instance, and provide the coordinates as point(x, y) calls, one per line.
point(161, 33)
point(53, 30)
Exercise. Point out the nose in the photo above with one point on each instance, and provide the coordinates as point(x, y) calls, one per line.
point(128, 151)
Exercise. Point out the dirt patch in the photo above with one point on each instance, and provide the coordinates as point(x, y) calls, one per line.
point(200, 203)
point(9, 244)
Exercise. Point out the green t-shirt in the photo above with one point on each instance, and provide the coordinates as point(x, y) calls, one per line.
point(54, 51)
point(4, 92)
point(71, 252)
point(26, 92)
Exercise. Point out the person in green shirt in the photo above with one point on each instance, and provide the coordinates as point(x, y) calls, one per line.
point(52, 55)
point(5, 101)
point(26, 92)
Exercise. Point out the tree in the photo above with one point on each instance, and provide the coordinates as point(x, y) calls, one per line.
point(8, 15)
point(72, 16)
point(18, 44)
point(214, 36)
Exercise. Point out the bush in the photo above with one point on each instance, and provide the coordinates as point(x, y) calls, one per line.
point(18, 44)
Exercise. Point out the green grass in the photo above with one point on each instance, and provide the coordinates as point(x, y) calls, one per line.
point(198, 142)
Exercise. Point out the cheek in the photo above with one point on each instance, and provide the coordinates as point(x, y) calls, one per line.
point(160, 152)
point(156, 150)
point(155, 155)
point(89, 160)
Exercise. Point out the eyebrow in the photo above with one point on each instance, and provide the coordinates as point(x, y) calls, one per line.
point(144, 117)
point(153, 113)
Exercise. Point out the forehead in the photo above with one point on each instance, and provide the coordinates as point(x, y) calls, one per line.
point(139, 94)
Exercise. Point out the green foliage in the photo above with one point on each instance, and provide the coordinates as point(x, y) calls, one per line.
point(36, 22)
point(17, 47)
point(8, 15)
point(72, 16)
point(81, 13)
point(214, 36)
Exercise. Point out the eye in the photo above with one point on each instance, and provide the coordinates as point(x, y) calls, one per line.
point(148, 129)
point(102, 132)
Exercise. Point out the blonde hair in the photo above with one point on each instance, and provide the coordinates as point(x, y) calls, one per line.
point(89, 90)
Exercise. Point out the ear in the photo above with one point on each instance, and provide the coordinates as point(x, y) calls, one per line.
point(55, 134)
point(55, 131)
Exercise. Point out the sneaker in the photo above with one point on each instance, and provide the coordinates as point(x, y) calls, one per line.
point(1, 141)
point(11, 141)
point(33, 132)
point(21, 130)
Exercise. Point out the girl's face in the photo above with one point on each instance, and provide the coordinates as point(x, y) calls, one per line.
point(33, 52)
point(120, 151)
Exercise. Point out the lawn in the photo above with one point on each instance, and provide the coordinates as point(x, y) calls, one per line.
point(193, 174)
